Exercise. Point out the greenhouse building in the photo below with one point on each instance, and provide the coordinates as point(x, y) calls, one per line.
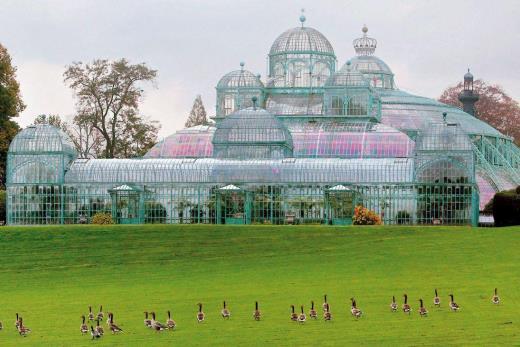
point(304, 145)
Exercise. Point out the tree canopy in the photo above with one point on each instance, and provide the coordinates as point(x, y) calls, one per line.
point(494, 107)
point(11, 105)
point(108, 94)
point(197, 115)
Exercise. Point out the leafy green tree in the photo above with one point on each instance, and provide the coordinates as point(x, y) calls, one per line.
point(11, 105)
point(108, 95)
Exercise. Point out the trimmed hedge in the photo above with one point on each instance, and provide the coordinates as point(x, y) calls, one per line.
point(102, 218)
point(506, 208)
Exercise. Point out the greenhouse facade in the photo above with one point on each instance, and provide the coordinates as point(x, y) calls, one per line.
point(306, 145)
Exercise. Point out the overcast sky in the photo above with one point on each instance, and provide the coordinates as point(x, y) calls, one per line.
point(192, 43)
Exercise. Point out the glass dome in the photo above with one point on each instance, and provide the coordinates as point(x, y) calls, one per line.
point(42, 139)
point(252, 133)
point(374, 69)
point(347, 76)
point(194, 142)
point(240, 79)
point(301, 39)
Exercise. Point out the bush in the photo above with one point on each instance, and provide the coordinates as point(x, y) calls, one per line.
point(154, 212)
point(102, 218)
point(402, 217)
point(364, 216)
point(2, 205)
point(506, 208)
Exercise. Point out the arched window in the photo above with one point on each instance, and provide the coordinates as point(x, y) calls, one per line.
point(320, 74)
point(337, 106)
point(357, 105)
point(229, 104)
point(299, 74)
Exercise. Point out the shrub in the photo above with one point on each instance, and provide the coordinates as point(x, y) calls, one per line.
point(402, 217)
point(364, 216)
point(2, 205)
point(154, 212)
point(506, 208)
point(102, 218)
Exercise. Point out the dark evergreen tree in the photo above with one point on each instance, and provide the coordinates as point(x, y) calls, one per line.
point(197, 115)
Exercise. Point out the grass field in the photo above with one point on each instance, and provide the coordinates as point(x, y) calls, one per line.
point(51, 274)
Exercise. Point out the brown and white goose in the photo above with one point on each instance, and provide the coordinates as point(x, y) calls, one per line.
point(294, 315)
point(90, 314)
point(436, 299)
point(495, 299)
point(1, 325)
point(312, 313)
point(302, 317)
point(100, 314)
point(356, 312)
point(327, 316)
point(113, 327)
point(94, 333)
point(170, 323)
point(453, 305)
point(147, 321)
point(22, 329)
point(99, 329)
point(257, 314)
point(422, 310)
point(200, 314)
point(17, 321)
point(83, 328)
point(156, 325)
point(325, 304)
point(393, 305)
point(406, 306)
point(225, 312)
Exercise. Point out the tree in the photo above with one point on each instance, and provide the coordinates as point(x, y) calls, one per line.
point(494, 107)
point(108, 95)
point(197, 115)
point(11, 105)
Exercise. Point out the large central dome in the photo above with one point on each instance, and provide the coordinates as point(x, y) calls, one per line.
point(301, 40)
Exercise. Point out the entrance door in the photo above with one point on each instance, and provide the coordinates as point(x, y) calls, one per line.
point(235, 205)
point(341, 202)
point(126, 205)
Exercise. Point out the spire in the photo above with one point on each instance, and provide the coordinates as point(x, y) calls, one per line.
point(365, 45)
point(468, 97)
point(302, 17)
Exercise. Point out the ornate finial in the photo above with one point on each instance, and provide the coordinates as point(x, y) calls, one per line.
point(349, 63)
point(242, 65)
point(444, 114)
point(254, 100)
point(365, 45)
point(302, 17)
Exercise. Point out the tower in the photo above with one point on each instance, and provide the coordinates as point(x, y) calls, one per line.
point(468, 97)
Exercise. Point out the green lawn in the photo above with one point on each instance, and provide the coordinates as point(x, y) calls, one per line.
point(51, 274)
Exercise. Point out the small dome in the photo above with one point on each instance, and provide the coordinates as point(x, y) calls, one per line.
point(194, 142)
point(42, 139)
point(369, 64)
point(468, 75)
point(347, 76)
point(301, 40)
point(252, 133)
point(240, 79)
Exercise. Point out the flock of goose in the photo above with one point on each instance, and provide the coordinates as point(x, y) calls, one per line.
point(150, 321)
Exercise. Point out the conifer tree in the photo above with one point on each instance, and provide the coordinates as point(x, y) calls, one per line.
point(197, 115)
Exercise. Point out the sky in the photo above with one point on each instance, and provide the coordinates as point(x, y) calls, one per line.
point(192, 43)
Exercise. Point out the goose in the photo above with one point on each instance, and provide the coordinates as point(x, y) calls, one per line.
point(294, 316)
point(23, 330)
point(90, 313)
point(312, 313)
point(406, 306)
point(83, 328)
point(256, 313)
point(356, 312)
point(156, 325)
point(453, 304)
point(393, 305)
point(200, 314)
point(170, 323)
point(1, 326)
point(113, 328)
point(147, 321)
point(436, 299)
point(302, 317)
point(325, 304)
point(225, 312)
point(109, 314)
point(94, 333)
point(100, 314)
point(495, 299)
point(327, 316)
point(422, 310)
point(17, 321)
point(99, 329)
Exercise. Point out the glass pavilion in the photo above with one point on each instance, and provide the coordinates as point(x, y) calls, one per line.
point(304, 146)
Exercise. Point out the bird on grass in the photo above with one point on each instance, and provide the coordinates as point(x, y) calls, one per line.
point(406, 306)
point(90, 314)
point(147, 321)
point(94, 333)
point(22, 329)
point(1, 325)
point(170, 323)
point(312, 313)
point(294, 315)
point(422, 310)
point(302, 317)
point(156, 325)
point(495, 299)
point(325, 304)
point(453, 305)
point(436, 299)
point(393, 305)
point(200, 314)
point(327, 316)
point(83, 328)
point(17, 321)
point(99, 329)
point(100, 314)
point(256, 313)
point(356, 312)
point(113, 327)
point(225, 312)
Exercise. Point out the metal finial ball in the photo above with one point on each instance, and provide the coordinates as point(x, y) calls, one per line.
point(364, 29)
point(242, 64)
point(302, 18)
point(254, 99)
